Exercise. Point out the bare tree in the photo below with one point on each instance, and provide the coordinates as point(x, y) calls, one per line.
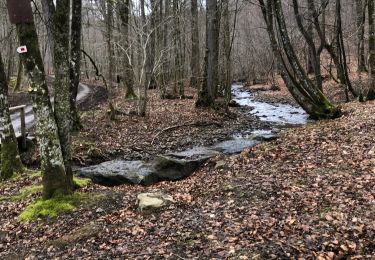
point(308, 95)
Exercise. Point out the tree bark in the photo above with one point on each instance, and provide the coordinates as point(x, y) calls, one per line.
point(128, 68)
point(75, 53)
point(178, 49)
point(195, 56)
point(48, 8)
point(227, 62)
point(371, 20)
point(303, 90)
point(206, 97)
point(111, 64)
point(52, 162)
point(62, 83)
point(10, 160)
point(360, 24)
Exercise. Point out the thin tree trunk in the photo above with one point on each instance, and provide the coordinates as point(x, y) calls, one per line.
point(75, 53)
point(371, 20)
point(111, 65)
point(178, 49)
point(360, 24)
point(48, 8)
point(195, 55)
point(227, 83)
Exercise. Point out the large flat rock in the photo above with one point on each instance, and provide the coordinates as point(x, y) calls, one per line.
point(118, 172)
point(168, 167)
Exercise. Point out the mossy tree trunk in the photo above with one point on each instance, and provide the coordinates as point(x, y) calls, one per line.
point(308, 95)
point(62, 84)
point(75, 53)
point(52, 162)
point(371, 25)
point(10, 159)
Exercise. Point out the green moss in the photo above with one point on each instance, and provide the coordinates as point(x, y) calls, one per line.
point(51, 207)
point(13, 82)
point(25, 192)
point(81, 182)
point(10, 160)
point(36, 174)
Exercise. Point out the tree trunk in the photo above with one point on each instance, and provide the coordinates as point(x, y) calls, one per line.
point(206, 97)
point(75, 53)
point(62, 84)
point(165, 59)
point(48, 8)
point(111, 64)
point(52, 162)
point(144, 80)
point(303, 90)
point(10, 161)
point(314, 54)
point(178, 49)
point(227, 62)
point(371, 25)
point(19, 76)
point(360, 24)
point(195, 57)
point(128, 68)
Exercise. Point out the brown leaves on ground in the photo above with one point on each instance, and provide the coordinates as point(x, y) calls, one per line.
point(310, 195)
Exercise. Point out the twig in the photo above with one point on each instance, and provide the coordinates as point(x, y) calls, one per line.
point(183, 125)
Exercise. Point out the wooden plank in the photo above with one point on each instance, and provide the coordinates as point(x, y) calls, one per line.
point(17, 108)
point(23, 129)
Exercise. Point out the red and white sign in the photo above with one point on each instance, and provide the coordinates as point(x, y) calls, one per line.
point(22, 49)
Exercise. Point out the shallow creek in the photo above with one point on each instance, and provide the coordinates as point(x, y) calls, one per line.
point(179, 165)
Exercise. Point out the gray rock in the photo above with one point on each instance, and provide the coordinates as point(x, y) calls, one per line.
point(168, 167)
point(150, 201)
point(118, 172)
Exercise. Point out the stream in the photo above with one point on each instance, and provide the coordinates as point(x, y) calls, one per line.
point(179, 165)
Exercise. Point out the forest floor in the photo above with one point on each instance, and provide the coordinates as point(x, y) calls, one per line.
point(308, 194)
point(170, 125)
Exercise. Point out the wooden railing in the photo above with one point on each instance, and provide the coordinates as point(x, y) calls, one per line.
point(21, 109)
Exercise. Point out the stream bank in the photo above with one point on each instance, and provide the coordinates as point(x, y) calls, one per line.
point(181, 163)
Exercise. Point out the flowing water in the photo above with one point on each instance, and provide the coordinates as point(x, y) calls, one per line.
point(279, 115)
